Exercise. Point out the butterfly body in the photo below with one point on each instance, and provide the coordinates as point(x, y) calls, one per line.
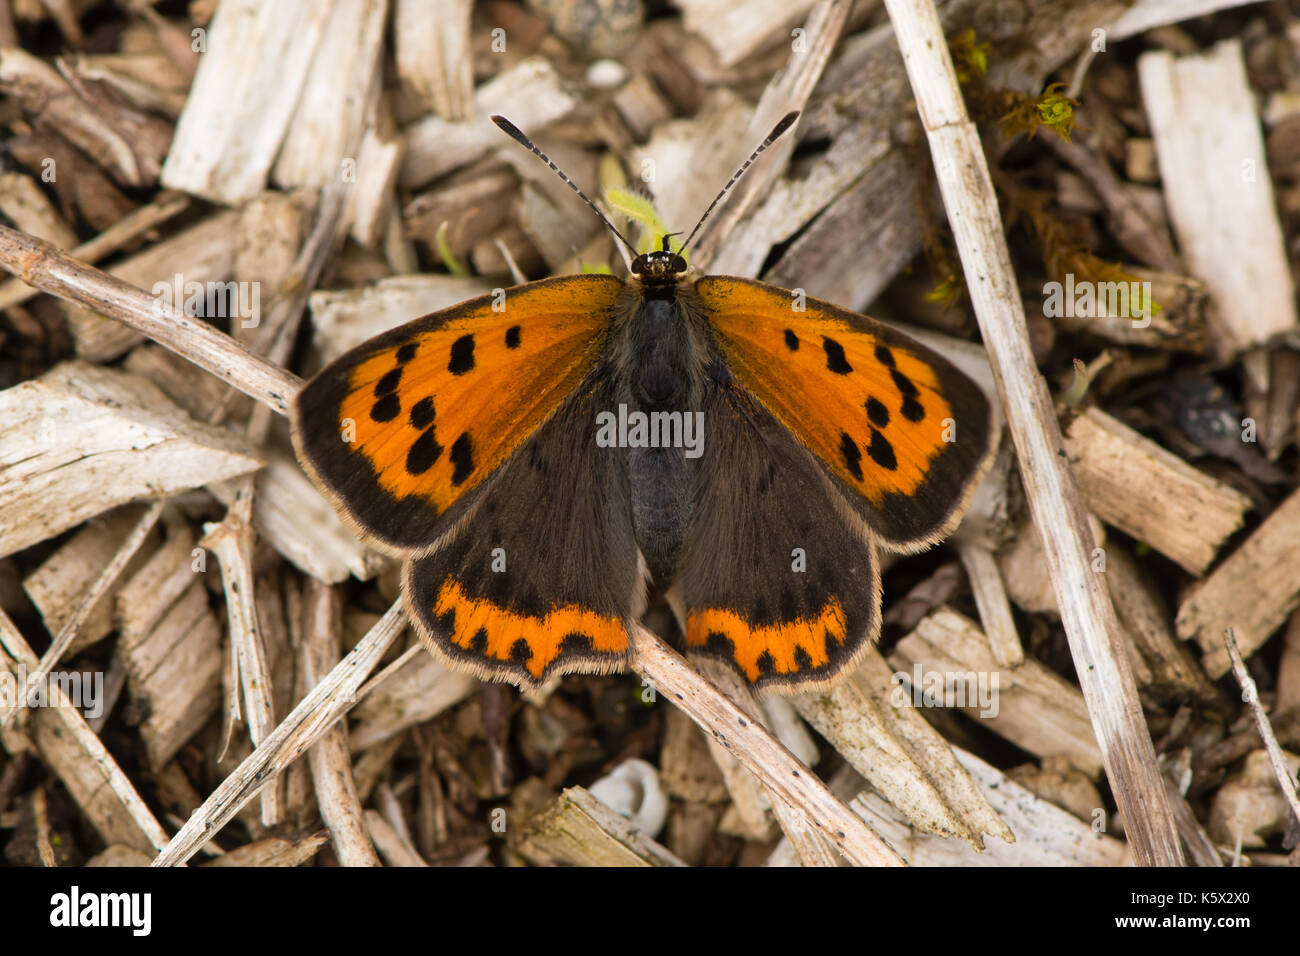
point(549, 459)
point(659, 356)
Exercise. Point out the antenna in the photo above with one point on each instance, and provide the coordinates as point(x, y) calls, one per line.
point(783, 126)
point(515, 133)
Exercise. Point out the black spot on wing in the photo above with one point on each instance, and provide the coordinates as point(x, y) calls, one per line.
point(462, 355)
point(912, 410)
point(852, 455)
point(791, 340)
point(478, 643)
point(575, 642)
point(462, 457)
point(520, 651)
point(877, 412)
point(512, 337)
point(446, 621)
point(766, 663)
point(387, 408)
point(835, 360)
point(881, 451)
point(388, 383)
point(406, 353)
point(904, 383)
point(422, 414)
point(719, 645)
point(425, 451)
point(884, 356)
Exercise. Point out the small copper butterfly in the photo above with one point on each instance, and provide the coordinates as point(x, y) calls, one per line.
point(549, 459)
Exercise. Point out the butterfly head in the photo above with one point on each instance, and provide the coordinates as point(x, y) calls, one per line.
point(662, 267)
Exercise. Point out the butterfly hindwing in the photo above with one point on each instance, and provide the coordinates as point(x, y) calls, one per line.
point(905, 434)
point(772, 582)
point(544, 577)
point(402, 431)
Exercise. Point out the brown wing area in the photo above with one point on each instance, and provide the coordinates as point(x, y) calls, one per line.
point(889, 419)
point(405, 427)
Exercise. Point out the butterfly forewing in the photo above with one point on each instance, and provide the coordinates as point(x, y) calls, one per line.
point(402, 431)
point(895, 425)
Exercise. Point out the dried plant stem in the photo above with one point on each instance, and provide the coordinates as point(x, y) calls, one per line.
point(762, 754)
point(326, 703)
point(232, 542)
point(1086, 611)
point(167, 205)
point(42, 265)
point(330, 758)
point(1251, 696)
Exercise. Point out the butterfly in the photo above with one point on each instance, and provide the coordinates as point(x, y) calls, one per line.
point(549, 459)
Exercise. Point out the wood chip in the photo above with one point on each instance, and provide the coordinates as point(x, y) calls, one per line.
point(1151, 494)
point(57, 584)
point(1214, 164)
point(434, 58)
point(580, 830)
point(82, 439)
point(244, 97)
point(1045, 835)
point(338, 100)
point(530, 94)
point(1253, 591)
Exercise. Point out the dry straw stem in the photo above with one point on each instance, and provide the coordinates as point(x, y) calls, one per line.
point(232, 542)
point(1251, 696)
point(785, 777)
point(1086, 612)
point(330, 759)
point(44, 267)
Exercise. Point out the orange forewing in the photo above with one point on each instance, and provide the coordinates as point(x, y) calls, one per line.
point(824, 378)
point(433, 407)
point(481, 386)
